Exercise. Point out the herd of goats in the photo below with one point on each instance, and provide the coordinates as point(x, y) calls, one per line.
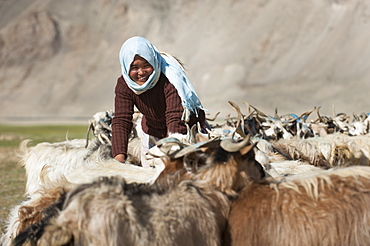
point(252, 179)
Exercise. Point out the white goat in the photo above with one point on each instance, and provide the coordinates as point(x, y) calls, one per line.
point(71, 160)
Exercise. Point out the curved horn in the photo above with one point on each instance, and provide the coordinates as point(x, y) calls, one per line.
point(231, 146)
point(258, 111)
point(192, 134)
point(305, 115)
point(195, 147)
point(104, 136)
point(163, 141)
point(87, 134)
point(101, 139)
point(318, 115)
point(239, 126)
point(213, 118)
point(105, 125)
point(167, 149)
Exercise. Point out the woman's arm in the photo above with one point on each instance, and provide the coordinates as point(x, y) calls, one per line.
point(174, 110)
point(122, 120)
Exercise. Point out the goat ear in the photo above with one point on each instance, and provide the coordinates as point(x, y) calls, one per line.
point(201, 138)
point(246, 149)
point(191, 162)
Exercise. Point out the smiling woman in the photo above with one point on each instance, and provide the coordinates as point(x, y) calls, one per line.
point(140, 70)
point(157, 85)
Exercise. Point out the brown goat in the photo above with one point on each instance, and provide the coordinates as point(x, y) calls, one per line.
point(191, 211)
point(331, 207)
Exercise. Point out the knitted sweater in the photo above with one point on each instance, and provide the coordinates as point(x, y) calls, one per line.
point(161, 108)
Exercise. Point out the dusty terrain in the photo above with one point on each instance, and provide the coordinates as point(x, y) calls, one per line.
point(59, 59)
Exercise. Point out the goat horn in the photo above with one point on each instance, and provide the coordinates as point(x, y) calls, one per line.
point(355, 116)
point(258, 111)
point(214, 117)
point(163, 141)
point(194, 147)
point(104, 136)
point(231, 146)
point(87, 134)
point(192, 134)
point(249, 107)
point(305, 115)
point(105, 125)
point(167, 149)
point(239, 127)
point(101, 139)
point(276, 113)
point(318, 114)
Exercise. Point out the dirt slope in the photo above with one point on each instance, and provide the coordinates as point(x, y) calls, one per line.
point(60, 58)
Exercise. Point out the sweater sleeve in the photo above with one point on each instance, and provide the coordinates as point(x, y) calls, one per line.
point(174, 111)
point(122, 120)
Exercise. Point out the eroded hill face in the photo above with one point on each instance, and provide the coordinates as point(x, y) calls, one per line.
point(60, 58)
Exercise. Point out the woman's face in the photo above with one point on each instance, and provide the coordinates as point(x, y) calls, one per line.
point(140, 70)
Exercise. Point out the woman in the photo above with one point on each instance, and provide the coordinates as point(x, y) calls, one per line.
point(156, 84)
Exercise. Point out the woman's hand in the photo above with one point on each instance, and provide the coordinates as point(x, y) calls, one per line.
point(120, 158)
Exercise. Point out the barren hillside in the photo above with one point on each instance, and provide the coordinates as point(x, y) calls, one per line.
point(60, 58)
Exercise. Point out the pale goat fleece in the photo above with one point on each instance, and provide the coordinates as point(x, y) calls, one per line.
point(70, 159)
point(281, 169)
point(327, 151)
point(328, 207)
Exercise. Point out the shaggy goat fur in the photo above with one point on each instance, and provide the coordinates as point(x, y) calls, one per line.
point(191, 211)
point(47, 162)
point(329, 207)
point(33, 210)
point(327, 151)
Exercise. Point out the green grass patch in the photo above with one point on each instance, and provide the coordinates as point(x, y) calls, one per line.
point(12, 174)
point(11, 136)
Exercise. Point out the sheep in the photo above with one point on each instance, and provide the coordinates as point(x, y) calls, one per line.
point(328, 207)
point(190, 211)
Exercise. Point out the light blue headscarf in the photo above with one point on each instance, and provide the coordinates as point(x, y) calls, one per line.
point(161, 62)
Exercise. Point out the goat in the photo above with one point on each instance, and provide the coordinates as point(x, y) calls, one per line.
point(191, 211)
point(100, 124)
point(34, 209)
point(76, 163)
point(327, 151)
point(328, 207)
point(54, 167)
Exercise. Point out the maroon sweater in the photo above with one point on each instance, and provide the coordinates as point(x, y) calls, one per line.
point(161, 108)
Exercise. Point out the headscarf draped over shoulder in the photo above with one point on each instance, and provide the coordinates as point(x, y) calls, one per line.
point(161, 62)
